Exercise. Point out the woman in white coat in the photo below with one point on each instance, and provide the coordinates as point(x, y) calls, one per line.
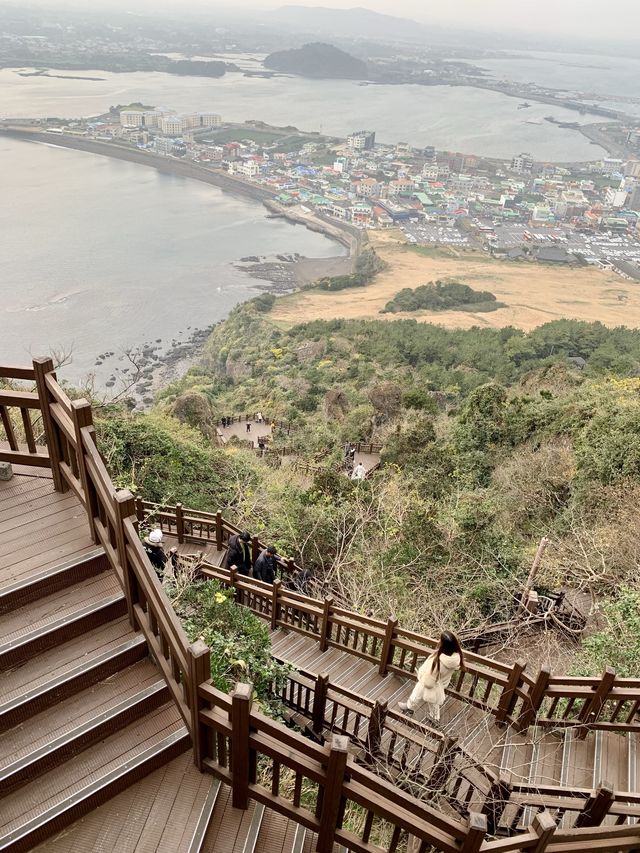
point(434, 676)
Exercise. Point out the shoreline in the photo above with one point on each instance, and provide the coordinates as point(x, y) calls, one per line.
point(160, 370)
point(349, 237)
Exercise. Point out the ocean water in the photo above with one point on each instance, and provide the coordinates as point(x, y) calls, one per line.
point(473, 121)
point(99, 255)
point(593, 74)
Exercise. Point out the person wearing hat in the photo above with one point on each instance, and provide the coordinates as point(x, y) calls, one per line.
point(266, 565)
point(239, 553)
point(156, 553)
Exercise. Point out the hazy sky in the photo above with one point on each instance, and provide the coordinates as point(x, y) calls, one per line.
point(581, 18)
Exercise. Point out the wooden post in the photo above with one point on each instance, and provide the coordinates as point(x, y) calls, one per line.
point(376, 728)
point(124, 506)
point(387, 647)
point(180, 523)
point(319, 702)
point(476, 831)
point(42, 367)
point(544, 826)
point(199, 672)
point(140, 510)
point(542, 547)
point(219, 531)
point(240, 763)
point(592, 707)
point(531, 706)
point(443, 764)
point(255, 549)
point(83, 417)
point(597, 806)
point(291, 567)
point(496, 801)
point(233, 580)
point(332, 799)
point(275, 591)
point(509, 694)
point(325, 627)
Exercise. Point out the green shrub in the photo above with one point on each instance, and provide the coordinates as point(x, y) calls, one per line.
point(239, 641)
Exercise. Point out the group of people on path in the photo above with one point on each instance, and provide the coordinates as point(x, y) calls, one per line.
point(433, 677)
point(239, 555)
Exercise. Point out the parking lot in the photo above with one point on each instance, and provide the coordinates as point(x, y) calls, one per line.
point(602, 248)
point(428, 233)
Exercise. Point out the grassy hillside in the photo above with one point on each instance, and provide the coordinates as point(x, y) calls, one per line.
point(493, 438)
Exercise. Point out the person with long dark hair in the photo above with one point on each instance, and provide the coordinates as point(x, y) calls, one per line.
point(434, 676)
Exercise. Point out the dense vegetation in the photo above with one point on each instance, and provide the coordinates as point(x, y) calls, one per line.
point(366, 267)
point(318, 60)
point(442, 296)
point(492, 439)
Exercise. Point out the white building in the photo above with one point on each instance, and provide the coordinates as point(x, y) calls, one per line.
point(196, 120)
point(132, 118)
point(522, 163)
point(246, 168)
point(615, 197)
point(163, 145)
point(171, 125)
point(362, 140)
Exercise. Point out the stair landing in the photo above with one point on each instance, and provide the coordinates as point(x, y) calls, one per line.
point(39, 527)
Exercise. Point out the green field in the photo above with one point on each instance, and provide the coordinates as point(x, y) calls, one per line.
point(263, 137)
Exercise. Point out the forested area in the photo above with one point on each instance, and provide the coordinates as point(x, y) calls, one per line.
point(492, 439)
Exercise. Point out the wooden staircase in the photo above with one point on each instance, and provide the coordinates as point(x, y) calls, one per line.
point(84, 710)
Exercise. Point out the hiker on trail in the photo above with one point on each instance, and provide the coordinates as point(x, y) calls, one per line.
point(248, 426)
point(158, 557)
point(266, 565)
point(239, 553)
point(434, 676)
point(259, 417)
point(300, 580)
point(359, 472)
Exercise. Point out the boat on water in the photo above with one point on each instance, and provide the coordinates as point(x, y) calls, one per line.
point(524, 106)
point(533, 121)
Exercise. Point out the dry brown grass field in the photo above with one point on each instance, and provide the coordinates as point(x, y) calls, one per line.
point(533, 293)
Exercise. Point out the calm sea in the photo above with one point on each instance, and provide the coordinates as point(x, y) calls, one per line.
point(464, 119)
point(98, 255)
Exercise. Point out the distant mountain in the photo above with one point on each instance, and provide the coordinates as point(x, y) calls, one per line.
point(356, 22)
point(318, 60)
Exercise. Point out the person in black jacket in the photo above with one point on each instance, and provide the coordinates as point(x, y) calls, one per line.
point(239, 553)
point(158, 557)
point(266, 565)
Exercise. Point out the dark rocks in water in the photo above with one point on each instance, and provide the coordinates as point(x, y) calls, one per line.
point(110, 383)
point(158, 340)
point(147, 400)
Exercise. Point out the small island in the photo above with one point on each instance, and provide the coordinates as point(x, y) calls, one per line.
point(442, 296)
point(318, 61)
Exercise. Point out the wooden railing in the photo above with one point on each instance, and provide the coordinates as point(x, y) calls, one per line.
point(22, 447)
point(505, 691)
point(320, 787)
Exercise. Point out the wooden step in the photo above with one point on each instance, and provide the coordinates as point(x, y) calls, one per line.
point(65, 574)
point(53, 620)
point(43, 751)
point(63, 794)
point(228, 827)
point(204, 819)
point(157, 814)
point(58, 673)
